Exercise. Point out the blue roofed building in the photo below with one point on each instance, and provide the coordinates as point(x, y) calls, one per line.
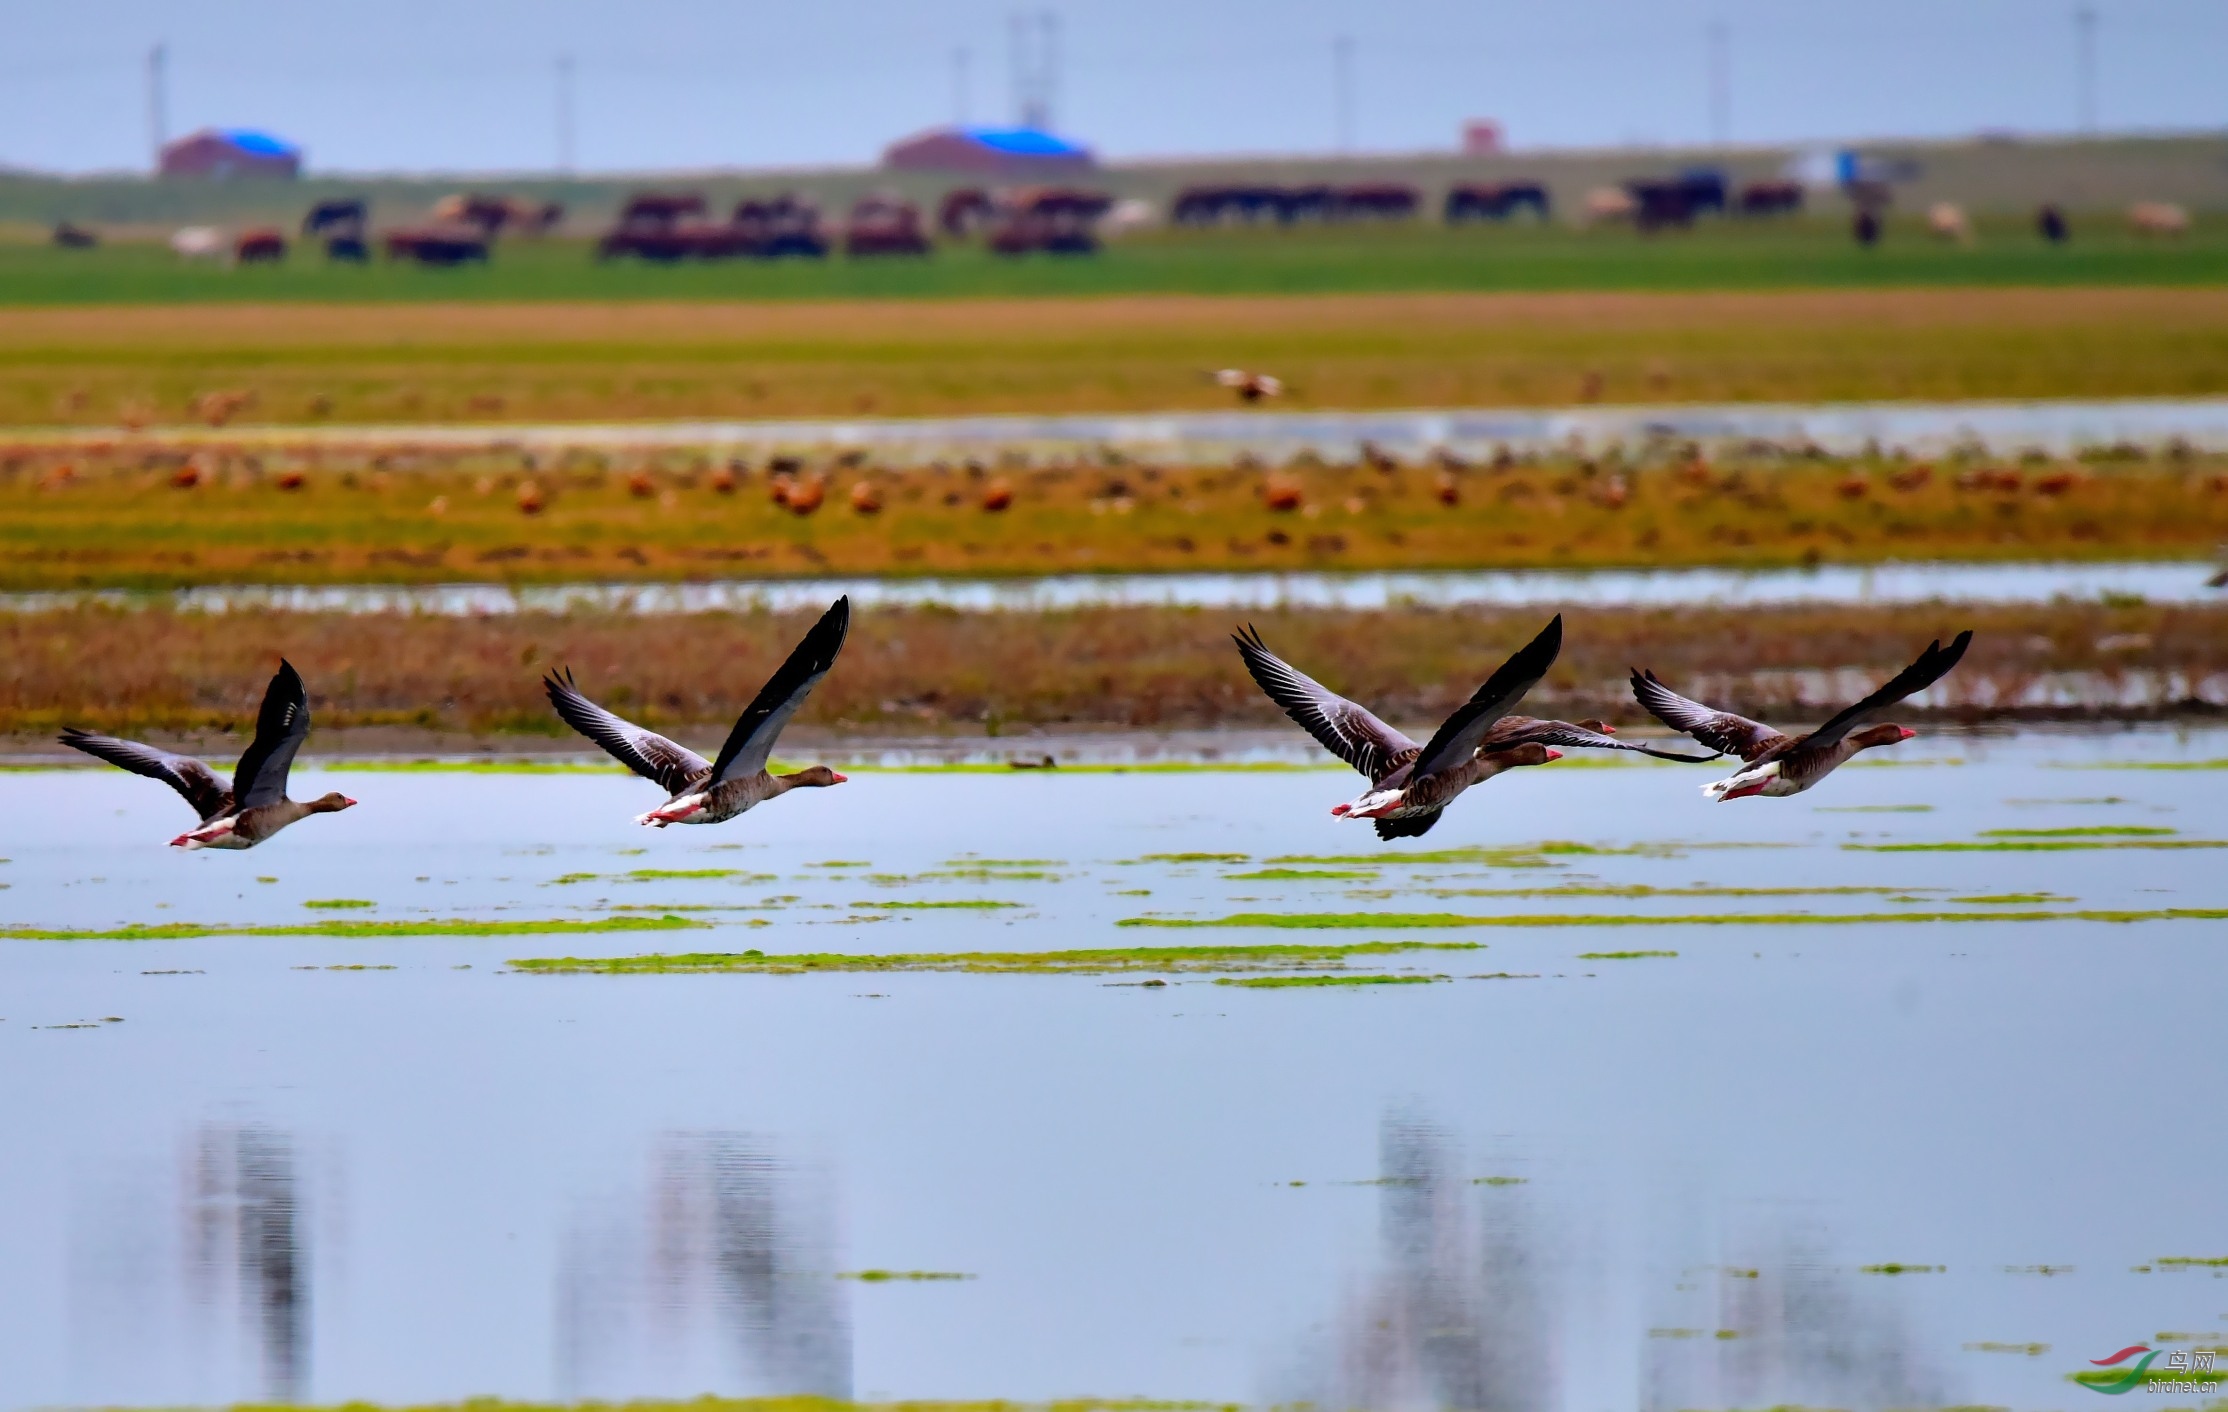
point(230, 152)
point(1005, 152)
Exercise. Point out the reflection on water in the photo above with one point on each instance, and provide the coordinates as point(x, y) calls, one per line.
point(1792, 1327)
point(215, 1270)
point(1461, 1314)
point(720, 1278)
point(1875, 584)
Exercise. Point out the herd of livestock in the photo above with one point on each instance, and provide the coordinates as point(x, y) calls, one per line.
point(666, 227)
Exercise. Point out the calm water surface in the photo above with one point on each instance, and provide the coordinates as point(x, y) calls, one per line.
point(1593, 1183)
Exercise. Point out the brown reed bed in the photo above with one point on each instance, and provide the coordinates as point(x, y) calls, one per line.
point(143, 515)
point(186, 675)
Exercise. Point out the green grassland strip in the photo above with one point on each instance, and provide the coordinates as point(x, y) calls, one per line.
point(1645, 890)
point(1301, 875)
point(177, 931)
point(1306, 982)
point(1400, 921)
point(1622, 955)
point(1091, 962)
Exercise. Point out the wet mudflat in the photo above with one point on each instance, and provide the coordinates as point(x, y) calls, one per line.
point(1597, 1096)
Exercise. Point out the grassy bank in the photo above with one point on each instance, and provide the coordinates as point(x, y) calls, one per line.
point(673, 351)
point(196, 675)
point(149, 518)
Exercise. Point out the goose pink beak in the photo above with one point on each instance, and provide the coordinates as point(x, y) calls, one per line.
point(347, 802)
point(1908, 733)
point(839, 779)
point(1340, 809)
point(1553, 753)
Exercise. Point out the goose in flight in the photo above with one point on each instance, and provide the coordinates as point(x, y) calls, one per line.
point(1411, 784)
point(711, 792)
point(1778, 765)
point(254, 806)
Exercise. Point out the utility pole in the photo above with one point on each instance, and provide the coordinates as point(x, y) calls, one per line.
point(566, 152)
point(2084, 67)
point(1721, 84)
point(1036, 62)
point(1342, 90)
point(158, 100)
point(959, 86)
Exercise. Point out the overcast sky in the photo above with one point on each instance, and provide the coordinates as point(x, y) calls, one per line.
point(415, 85)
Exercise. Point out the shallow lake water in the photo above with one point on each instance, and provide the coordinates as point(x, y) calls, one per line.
point(1900, 1161)
point(1875, 585)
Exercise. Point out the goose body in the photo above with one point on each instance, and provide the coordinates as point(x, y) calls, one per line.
point(704, 791)
point(1411, 785)
point(254, 806)
point(1776, 764)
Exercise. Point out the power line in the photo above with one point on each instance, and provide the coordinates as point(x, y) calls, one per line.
point(2084, 67)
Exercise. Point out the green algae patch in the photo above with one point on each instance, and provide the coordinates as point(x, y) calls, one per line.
point(1873, 809)
point(1302, 875)
point(2029, 1350)
point(567, 879)
point(1621, 955)
point(1389, 921)
point(841, 863)
point(2191, 1262)
point(339, 903)
point(883, 1277)
point(1895, 1268)
point(960, 904)
point(1316, 921)
point(1645, 890)
point(1499, 1181)
point(2002, 899)
point(1192, 959)
point(2092, 831)
point(2038, 845)
point(684, 874)
point(177, 931)
point(1187, 858)
point(1304, 982)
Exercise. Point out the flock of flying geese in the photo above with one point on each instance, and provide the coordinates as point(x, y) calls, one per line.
point(1410, 785)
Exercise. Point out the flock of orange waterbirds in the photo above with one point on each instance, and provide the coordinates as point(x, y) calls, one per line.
point(1410, 785)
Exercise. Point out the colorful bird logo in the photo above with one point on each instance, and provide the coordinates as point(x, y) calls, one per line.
point(2127, 1381)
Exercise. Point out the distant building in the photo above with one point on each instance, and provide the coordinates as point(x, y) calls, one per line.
point(230, 152)
point(1015, 152)
point(1481, 137)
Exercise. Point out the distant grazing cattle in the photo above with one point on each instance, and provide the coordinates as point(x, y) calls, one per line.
point(437, 244)
point(1475, 201)
point(963, 212)
point(1675, 201)
point(1053, 220)
point(655, 226)
point(884, 224)
point(198, 242)
point(2157, 218)
point(259, 245)
point(68, 235)
point(1945, 220)
point(2050, 224)
point(1865, 228)
point(1770, 198)
point(341, 223)
point(1388, 201)
point(1605, 204)
point(497, 214)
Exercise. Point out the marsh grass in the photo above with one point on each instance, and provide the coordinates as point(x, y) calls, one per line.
point(175, 931)
point(1402, 921)
point(1105, 961)
point(116, 517)
point(924, 671)
point(1310, 982)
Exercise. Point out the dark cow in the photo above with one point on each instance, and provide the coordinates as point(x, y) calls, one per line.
point(965, 211)
point(883, 224)
point(657, 226)
point(437, 244)
point(1388, 201)
point(341, 223)
point(68, 235)
point(1770, 198)
point(2050, 224)
point(259, 245)
point(1494, 202)
point(1054, 220)
point(1660, 203)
